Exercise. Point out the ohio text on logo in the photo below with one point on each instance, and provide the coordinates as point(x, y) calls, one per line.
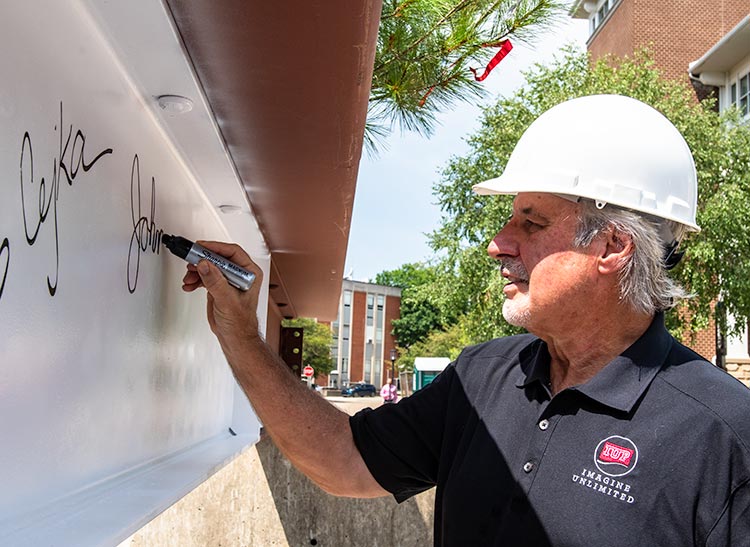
point(616, 456)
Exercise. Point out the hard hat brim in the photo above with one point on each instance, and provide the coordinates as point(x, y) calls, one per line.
point(504, 185)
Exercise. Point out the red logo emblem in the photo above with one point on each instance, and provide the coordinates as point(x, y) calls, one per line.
point(616, 456)
point(612, 453)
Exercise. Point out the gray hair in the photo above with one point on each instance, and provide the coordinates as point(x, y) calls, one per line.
point(644, 282)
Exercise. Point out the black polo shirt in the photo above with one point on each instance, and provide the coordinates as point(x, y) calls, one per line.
point(652, 451)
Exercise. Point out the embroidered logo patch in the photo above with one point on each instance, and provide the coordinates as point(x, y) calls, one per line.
point(612, 453)
point(616, 456)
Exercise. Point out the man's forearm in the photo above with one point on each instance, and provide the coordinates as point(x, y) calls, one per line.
point(310, 431)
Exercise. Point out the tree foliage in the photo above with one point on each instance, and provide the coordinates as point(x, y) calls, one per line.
point(425, 49)
point(418, 316)
point(437, 343)
point(316, 344)
point(716, 263)
point(407, 276)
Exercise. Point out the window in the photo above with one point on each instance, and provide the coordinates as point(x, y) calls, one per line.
point(368, 360)
point(600, 13)
point(370, 305)
point(739, 93)
point(347, 307)
point(743, 100)
point(379, 318)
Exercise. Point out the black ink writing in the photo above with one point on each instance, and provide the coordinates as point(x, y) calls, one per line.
point(4, 252)
point(145, 234)
point(71, 158)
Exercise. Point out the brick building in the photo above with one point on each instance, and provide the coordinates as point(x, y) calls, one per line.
point(704, 44)
point(678, 32)
point(362, 339)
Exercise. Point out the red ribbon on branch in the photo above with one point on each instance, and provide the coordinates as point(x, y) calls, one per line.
point(505, 47)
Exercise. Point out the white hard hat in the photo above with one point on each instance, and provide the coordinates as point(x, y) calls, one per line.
point(608, 148)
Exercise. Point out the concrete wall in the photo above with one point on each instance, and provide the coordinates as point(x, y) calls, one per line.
point(740, 369)
point(261, 500)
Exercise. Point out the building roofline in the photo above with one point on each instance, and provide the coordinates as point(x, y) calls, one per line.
point(366, 286)
point(576, 10)
point(726, 52)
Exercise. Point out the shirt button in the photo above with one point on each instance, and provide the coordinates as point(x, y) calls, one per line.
point(543, 425)
point(528, 467)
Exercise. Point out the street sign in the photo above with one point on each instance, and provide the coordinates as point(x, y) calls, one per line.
point(308, 371)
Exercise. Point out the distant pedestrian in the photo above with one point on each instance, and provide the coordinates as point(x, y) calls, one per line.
point(388, 392)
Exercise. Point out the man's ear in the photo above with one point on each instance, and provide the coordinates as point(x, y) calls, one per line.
point(617, 249)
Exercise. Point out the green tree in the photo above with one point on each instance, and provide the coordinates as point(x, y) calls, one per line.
point(316, 344)
point(437, 343)
point(409, 275)
point(426, 48)
point(716, 262)
point(418, 316)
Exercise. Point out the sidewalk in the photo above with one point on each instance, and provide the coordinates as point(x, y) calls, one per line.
point(352, 405)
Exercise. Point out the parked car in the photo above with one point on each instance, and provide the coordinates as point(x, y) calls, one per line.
point(359, 390)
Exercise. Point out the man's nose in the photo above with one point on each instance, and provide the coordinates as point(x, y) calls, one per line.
point(503, 244)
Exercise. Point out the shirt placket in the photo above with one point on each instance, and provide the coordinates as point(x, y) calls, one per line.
point(539, 439)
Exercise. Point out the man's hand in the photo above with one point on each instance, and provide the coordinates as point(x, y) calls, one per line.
point(231, 312)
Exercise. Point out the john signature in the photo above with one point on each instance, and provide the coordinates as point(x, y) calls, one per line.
point(144, 234)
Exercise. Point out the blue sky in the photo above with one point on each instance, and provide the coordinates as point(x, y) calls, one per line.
point(394, 206)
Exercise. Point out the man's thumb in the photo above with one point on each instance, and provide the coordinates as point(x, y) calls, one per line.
point(210, 275)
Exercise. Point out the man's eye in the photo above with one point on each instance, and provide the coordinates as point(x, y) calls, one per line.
point(531, 224)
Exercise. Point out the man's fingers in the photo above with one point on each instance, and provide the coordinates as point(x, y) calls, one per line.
point(192, 280)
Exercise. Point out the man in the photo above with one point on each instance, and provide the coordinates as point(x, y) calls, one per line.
point(598, 428)
point(389, 392)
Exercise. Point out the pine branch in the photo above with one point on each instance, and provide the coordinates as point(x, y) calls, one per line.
point(425, 48)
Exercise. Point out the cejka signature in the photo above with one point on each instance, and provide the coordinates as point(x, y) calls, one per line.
point(72, 157)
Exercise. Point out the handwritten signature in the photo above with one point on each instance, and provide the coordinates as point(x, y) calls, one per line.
point(145, 234)
point(71, 158)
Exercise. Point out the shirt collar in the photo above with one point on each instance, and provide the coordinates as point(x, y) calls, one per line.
point(622, 381)
point(534, 360)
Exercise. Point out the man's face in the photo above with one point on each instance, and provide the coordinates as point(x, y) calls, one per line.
point(547, 277)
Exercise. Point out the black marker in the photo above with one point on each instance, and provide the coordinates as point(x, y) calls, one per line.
point(194, 253)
